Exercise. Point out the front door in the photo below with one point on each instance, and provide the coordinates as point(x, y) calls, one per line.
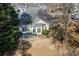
point(38, 30)
point(34, 31)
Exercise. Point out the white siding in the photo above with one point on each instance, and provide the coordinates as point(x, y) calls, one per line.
point(41, 21)
point(47, 27)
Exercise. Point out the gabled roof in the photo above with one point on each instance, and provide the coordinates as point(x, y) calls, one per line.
point(33, 11)
point(47, 19)
point(39, 25)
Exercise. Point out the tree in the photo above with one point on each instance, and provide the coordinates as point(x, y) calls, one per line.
point(8, 28)
point(58, 33)
point(67, 9)
point(44, 15)
point(25, 18)
point(23, 47)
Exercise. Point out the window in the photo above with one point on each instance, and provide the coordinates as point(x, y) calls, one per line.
point(25, 29)
point(45, 28)
point(28, 29)
point(38, 30)
point(34, 30)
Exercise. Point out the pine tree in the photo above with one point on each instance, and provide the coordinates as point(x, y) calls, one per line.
point(8, 28)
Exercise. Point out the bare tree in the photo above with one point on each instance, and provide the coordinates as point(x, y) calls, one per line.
point(67, 10)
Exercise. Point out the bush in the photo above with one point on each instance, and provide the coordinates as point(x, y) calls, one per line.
point(60, 34)
point(45, 32)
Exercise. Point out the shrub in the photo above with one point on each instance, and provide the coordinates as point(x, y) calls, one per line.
point(60, 34)
point(45, 32)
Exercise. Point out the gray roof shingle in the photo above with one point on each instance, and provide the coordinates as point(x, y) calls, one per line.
point(39, 25)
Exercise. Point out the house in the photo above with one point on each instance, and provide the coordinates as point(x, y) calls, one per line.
point(37, 24)
point(75, 13)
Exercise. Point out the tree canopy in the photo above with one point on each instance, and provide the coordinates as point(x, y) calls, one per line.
point(25, 19)
point(8, 28)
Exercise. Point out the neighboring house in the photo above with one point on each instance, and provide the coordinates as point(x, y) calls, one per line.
point(75, 13)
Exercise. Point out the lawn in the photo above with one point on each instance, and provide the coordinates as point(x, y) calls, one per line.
point(43, 46)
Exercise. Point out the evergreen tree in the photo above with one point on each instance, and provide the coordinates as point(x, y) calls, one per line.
point(25, 19)
point(8, 28)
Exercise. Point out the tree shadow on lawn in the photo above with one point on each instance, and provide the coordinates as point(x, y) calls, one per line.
point(24, 46)
point(22, 49)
